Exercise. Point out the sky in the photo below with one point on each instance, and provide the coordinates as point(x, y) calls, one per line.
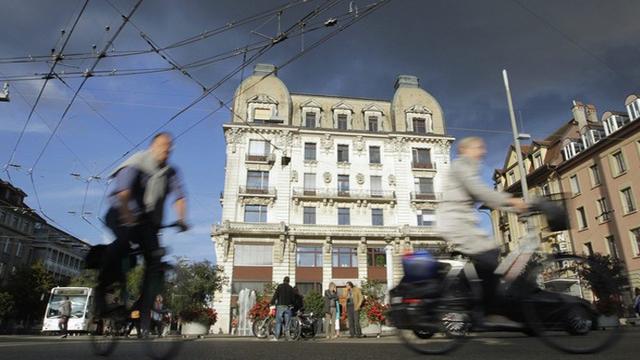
point(555, 52)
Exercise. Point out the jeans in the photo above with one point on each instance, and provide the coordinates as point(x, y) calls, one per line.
point(280, 311)
point(354, 320)
point(330, 323)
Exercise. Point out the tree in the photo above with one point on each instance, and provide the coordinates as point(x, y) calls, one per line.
point(30, 287)
point(193, 286)
point(606, 278)
point(6, 305)
point(87, 278)
point(314, 303)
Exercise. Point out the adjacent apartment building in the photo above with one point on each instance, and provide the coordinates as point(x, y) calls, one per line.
point(25, 238)
point(592, 165)
point(326, 188)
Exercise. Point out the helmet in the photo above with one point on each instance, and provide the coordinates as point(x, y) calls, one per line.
point(419, 265)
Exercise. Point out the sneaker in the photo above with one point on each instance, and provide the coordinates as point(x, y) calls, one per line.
point(63, 336)
point(274, 338)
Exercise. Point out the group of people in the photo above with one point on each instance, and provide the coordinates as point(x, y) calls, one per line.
point(333, 310)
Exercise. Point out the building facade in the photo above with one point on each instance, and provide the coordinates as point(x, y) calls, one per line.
point(26, 238)
point(325, 188)
point(593, 166)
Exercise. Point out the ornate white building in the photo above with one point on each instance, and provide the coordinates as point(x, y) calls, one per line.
point(324, 188)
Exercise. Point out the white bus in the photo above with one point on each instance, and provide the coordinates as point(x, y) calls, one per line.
point(81, 319)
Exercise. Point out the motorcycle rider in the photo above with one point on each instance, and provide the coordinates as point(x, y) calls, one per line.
point(456, 215)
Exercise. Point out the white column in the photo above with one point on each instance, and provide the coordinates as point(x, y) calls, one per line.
point(389, 259)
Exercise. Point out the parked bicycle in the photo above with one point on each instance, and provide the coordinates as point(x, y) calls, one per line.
point(159, 344)
point(263, 328)
point(543, 293)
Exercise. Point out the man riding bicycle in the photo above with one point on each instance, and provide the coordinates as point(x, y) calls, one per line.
point(142, 184)
point(457, 215)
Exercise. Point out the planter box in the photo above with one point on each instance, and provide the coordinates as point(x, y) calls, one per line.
point(194, 328)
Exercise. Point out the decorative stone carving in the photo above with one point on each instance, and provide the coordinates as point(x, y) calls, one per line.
point(326, 143)
point(327, 177)
point(284, 139)
point(397, 145)
point(257, 200)
point(294, 176)
point(263, 99)
point(360, 178)
point(234, 137)
point(418, 109)
point(327, 245)
point(223, 243)
point(359, 145)
point(444, 146)
point(392, 180)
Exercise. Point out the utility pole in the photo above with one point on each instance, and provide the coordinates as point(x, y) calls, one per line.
point(516, 139)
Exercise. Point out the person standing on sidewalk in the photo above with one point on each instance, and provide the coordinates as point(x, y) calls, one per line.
point(283, 299)
point(354, 302)
point(65, 314)
point(330, 300)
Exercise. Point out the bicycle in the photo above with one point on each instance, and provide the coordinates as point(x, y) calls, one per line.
point(437, 315)
point(262, 328)
point(115, 317)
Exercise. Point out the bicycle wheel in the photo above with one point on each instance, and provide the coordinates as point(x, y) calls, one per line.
point(161, 344)
point(110, 322)
point(558, 306)
point(260, 328)
point(446, 322)
point(294, 330)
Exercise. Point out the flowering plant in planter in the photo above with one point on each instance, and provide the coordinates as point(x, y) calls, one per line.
point(204, 315)
point(376, 312)
point(260, 310)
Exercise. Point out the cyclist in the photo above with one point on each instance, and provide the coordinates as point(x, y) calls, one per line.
point(456, 216)
point(142, 184)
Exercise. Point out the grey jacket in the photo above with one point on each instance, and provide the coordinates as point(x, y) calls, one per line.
point(65, 308)
point(456, 216)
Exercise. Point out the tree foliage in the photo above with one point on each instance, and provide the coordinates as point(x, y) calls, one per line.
point(7, 304)
point(314, 303)
point(193, 286)
point(30, 287)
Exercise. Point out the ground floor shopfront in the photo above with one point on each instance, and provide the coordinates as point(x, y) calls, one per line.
point(255, 255)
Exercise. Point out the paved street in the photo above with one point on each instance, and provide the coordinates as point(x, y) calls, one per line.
point(507, 346)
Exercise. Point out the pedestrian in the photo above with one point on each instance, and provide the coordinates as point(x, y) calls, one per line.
point(157, 313)
point(298, 302)
point(134, 319)
point(283, 299)
point(330, 307)
point(65, 314)
point(636, 302)
point(354, 302)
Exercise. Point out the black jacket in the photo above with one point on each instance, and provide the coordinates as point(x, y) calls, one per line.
point(283, 296)
point(330, 299)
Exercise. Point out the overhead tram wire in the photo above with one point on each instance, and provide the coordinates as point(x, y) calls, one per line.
point(200, 63)
point(57, 58)
point(564, 35)
point(367, 11)
point(125, 19)
point(281, 37)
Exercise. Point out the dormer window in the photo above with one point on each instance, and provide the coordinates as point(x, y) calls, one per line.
point(419, 119)
point(614, 122)
point(342, 122)
point(634, 109)
point(571, 149)
point(263, 109)
point(310, 112)
point(372, 123)
point(419, 125)
point(310, 119)
point(592, 136)
point(373, 118)
point(342, 116)
point(537, 160)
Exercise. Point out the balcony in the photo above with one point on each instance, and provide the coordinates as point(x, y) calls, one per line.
point(362, 197)
point(425, 197)
point(260, 158)
point(261, 194)
point(429, 166)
